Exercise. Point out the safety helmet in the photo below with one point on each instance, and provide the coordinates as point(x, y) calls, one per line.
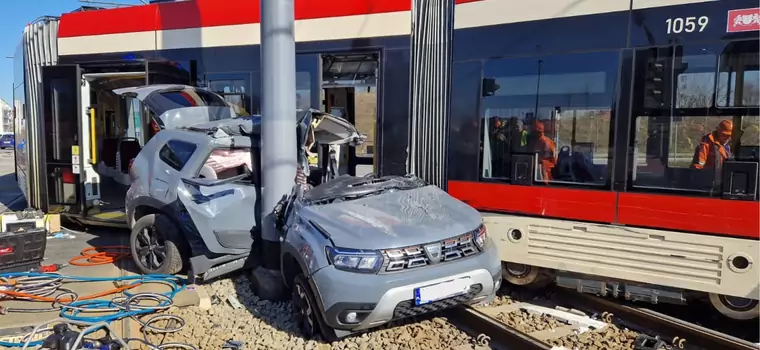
point(725, 127)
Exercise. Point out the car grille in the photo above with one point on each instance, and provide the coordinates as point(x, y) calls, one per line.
point(412, 257)
point(407, 308)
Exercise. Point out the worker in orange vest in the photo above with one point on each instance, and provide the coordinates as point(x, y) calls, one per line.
point(715, 147)
point(546, 151)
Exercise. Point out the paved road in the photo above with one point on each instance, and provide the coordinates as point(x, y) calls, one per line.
point(10, 195)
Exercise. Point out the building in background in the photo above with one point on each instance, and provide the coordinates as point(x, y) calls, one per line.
point(6, 114)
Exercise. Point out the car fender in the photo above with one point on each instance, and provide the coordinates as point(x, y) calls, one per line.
point(306, 244)
point(309, 258)
point(144, 201)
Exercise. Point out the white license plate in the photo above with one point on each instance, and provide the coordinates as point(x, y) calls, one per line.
point(429, 294)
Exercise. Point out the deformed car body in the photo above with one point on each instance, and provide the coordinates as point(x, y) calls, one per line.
point(356, 252)
point(361, 252)
point(194, 192)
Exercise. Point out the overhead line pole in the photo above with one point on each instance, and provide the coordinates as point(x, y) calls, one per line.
point(430, 89)
point(278, 133)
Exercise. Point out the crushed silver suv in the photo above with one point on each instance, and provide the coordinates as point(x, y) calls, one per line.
point(195, 188)
point(356, 252)
point(361, 252)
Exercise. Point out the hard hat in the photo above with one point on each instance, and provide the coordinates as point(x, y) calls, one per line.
point(725, 127)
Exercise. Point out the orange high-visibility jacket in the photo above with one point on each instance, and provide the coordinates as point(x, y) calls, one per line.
point(710, 153)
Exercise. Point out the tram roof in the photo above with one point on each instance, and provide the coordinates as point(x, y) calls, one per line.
point(218, 23)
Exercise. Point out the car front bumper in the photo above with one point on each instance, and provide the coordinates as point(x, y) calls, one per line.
point(380, 298)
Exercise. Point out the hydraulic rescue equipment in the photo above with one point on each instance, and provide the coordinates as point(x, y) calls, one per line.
point(23, 239)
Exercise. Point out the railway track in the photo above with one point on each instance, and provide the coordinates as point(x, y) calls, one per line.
point(616, 326)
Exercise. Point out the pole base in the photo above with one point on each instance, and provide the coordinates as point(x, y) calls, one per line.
point(267, 284)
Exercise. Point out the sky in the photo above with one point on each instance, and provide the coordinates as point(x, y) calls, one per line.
point(14, 15)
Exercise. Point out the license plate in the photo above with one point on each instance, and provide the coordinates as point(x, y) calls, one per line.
point(448, 289)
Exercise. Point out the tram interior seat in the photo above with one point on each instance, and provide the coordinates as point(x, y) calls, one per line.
point(128, 150)
point(108, 150)
point(115, 155)
point(576, 167)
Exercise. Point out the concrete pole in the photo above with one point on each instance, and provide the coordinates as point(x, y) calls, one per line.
point(278, 132)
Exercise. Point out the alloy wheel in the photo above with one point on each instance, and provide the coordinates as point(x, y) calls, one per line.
point(305, 312)
point(151, 248)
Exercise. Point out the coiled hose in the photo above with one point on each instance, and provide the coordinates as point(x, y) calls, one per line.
point(48, 287)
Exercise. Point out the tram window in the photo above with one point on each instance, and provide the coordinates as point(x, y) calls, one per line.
point(303, 90)
point(556, 108)
point(234, 88)
point(176, 153)
point(739, 75)
point(61, 123)
point(681, 144)
point(695, 87)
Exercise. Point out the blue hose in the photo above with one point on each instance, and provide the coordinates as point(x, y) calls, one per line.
point(176, 283)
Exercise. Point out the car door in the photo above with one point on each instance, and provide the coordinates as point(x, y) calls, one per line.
point(217, 195)
point(224, 211)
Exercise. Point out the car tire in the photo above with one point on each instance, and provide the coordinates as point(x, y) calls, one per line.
point(307, 316)
point(157, 234)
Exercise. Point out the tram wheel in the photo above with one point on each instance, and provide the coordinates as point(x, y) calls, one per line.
point(524, 275)
point(735, 308)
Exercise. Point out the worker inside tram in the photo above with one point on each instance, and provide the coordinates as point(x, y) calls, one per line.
point(709, 142)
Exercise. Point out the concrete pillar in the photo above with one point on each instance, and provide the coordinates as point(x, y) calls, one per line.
point(278, 132)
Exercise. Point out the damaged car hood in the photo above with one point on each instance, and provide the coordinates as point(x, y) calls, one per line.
point(393, 219)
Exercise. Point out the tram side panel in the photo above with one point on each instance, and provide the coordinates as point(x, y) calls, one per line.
point(582, 161)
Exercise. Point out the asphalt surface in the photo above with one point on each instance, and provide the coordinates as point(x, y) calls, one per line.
point(10, 195)
point(61, 251)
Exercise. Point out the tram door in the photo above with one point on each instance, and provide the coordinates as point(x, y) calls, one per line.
point(349, 83)
point(61, 150)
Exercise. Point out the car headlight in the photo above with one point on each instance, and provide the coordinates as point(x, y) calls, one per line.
point(355, 260)
point(481, 238)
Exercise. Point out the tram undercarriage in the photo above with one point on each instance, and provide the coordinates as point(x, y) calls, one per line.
point(615, 261)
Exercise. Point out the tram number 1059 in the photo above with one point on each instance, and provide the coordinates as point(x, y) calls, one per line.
point(689, 24)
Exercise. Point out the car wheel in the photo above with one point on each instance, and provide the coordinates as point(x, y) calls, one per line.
point(154, 247)
point(307, 313)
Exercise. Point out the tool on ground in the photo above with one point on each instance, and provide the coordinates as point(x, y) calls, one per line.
point(64, 338)
point(22, 248)
point(49, 268)
point(88, 310)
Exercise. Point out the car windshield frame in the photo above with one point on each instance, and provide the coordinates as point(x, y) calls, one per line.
point(347, 188)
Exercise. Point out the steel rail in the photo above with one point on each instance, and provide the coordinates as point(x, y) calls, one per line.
point(470, 319)
point(663, 324)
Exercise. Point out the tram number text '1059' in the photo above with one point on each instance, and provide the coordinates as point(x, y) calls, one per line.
point(688, 24)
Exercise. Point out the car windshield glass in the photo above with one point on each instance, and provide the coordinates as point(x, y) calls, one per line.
point(6, 138)
point(346, 188)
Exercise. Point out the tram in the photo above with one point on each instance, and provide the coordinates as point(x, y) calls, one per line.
point(574, 126)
